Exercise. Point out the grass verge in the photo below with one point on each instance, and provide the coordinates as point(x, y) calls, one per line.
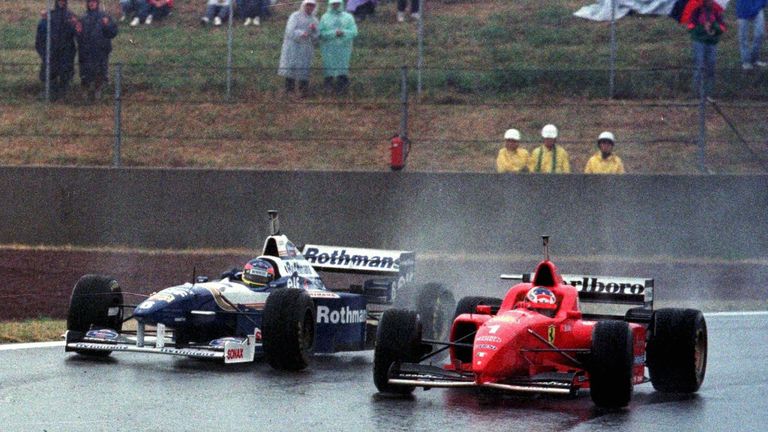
point(33, 330)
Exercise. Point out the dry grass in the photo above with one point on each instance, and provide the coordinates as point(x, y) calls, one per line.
point(40, 330)
point(661, 139)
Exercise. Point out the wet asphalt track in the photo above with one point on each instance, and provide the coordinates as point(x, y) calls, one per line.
point(44, 389)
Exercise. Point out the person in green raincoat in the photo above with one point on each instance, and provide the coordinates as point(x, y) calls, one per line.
point(337, 31)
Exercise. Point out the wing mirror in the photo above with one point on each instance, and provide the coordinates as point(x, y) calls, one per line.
point(483, 309)
point(574, 314)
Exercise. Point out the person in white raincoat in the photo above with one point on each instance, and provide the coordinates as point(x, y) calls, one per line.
point(299, 40)
point(337, 30)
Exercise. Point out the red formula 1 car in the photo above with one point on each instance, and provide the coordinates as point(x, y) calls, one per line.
point(539, 339)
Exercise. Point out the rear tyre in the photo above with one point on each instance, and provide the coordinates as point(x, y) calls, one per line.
point(95, 302)
point(677, 350)
point(470, 304)
point(398, 339)
point(435, 304)
point(288, 329)
point(610, 366)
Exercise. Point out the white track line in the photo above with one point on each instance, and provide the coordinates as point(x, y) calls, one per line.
point(20, 346)
point(732, 314)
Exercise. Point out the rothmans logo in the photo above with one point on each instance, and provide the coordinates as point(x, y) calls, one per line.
point(345, 315)
point(353, 258)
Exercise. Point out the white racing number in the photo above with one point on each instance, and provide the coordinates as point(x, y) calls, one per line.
point(492, 329)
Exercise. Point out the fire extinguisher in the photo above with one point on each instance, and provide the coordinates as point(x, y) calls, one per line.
point(399, 148)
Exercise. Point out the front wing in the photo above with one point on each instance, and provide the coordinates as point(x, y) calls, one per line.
point(427, 376)
point(237, 350)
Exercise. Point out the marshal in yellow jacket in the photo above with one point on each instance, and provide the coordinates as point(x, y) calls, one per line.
point(543, 160)
point(511, 162)
point(597, 165)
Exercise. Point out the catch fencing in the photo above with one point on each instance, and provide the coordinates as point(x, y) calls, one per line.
point(232, 100)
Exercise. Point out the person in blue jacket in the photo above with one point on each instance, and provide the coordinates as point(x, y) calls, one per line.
point(94, 45)
point(750, 16)
point(64, 29)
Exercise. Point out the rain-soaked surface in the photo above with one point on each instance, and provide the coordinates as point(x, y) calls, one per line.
point(45, 389)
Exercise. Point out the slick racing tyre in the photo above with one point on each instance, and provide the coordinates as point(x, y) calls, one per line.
point(470, 304)
point(610, 366)
point(288, 329)
point(677, 350)
point(434, 305)
point(398, 339)
point(96, 301)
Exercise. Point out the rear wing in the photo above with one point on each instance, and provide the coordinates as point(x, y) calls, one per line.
point(393, 263)
point(605, 290)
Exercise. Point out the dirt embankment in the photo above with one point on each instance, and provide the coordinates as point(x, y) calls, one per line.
point(39, 282)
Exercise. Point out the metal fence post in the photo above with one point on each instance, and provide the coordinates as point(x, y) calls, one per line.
point(612, 75)
point(404, 103)
point(118, 115)
point(420, 60)
point(48, 52)
point(702, 122)
point(229, 50)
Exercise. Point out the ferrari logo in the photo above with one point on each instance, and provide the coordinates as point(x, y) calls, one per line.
point(551, 334)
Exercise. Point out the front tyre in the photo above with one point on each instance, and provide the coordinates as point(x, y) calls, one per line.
point(288, 329)
point(435, 304)
point(677, 350)
point(610, 366)
point(398, 339)
point(96, 302)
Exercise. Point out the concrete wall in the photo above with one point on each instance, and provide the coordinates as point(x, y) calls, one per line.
point(630, 215)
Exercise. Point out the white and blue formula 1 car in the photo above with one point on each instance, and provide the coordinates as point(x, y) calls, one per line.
point(285, 320)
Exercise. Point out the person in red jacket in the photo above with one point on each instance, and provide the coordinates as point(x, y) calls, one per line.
point(704, 20)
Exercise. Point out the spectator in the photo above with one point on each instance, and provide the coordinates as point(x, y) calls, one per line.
point(216, 11)
point(604, 161)
point(149, 10)
point(252, 11)
point(337, 31)
point(704, 19)
point(138, 8)
point(94, 45)
point(549, 158)
point(158, 9)
point(299, 47)
point(361, 9)
point(512, 158)
point(750, 14)
point(64, 28)
point(401, 9)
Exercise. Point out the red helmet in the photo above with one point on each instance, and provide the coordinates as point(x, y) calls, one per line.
point(541, 298)
point(258, 272)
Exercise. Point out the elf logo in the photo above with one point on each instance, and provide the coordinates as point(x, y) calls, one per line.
point(345, 315)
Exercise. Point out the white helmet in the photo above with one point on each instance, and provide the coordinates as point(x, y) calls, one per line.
point(512, 134)
point(606, 136)
point(549, 131)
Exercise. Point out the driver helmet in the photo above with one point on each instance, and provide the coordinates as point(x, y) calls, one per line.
point(258, 272)
point(541, 298)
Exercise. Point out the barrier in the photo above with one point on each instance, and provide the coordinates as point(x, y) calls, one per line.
point(631, 215)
